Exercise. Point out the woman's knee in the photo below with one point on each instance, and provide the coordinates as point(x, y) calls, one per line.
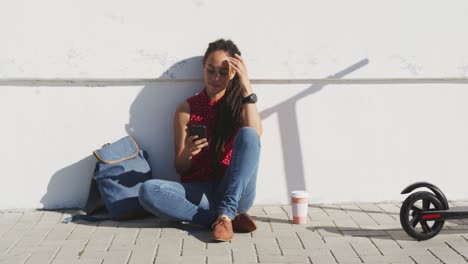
point(149, 190)
point(247, 135)
point(151, 195)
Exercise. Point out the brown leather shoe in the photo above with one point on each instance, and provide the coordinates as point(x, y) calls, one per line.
point(222, 229)
point(243, 223)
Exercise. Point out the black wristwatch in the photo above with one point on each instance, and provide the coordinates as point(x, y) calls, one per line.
point(250, 99)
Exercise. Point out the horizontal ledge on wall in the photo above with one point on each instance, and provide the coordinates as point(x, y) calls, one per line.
point(142, 81)
point(361, 80)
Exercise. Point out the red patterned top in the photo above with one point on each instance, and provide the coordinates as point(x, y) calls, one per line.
point(203, 112)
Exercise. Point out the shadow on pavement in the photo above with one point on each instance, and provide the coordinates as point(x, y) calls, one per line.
point(380, 233)
point(353, 210)
point(270, 219)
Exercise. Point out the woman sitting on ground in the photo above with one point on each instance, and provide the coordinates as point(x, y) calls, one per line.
point(219, 172)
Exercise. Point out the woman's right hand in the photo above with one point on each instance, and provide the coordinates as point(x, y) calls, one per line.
point(193, 146)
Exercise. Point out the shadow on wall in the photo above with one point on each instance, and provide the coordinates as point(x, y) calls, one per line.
point(151, 124)
point(289, 129)
point(152, 113)
point(75, 179)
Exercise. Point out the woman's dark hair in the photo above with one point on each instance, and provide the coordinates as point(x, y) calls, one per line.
point(229, 110)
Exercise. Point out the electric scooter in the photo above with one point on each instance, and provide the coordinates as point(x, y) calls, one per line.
point(423, 213)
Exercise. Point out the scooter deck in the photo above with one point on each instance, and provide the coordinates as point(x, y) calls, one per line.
point(453, 213)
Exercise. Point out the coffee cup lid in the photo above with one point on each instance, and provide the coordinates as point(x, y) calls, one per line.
point(299, 194)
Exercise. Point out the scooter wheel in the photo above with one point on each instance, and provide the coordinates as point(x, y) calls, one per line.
point(411, 220)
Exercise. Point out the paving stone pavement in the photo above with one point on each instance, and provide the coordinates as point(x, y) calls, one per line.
point(335, 233)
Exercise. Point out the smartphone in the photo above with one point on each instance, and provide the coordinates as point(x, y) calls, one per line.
point(199, 130)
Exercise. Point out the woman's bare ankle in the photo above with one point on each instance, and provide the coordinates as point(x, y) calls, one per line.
point(225, 217)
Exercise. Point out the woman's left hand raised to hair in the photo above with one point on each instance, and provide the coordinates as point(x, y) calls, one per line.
point(251, 118)
point(238, 64)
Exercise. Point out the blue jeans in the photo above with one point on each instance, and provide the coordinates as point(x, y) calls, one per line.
point(202, 202)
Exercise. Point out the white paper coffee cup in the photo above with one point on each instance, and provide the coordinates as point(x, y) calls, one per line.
point(300, 206)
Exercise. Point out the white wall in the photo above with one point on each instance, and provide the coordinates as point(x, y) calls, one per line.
point(75, 75)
